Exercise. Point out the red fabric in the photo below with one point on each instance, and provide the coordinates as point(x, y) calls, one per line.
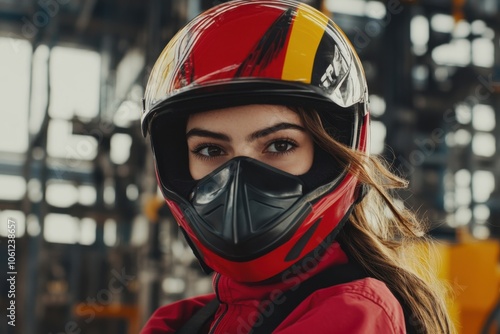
point(169, 318)
point(362, 306)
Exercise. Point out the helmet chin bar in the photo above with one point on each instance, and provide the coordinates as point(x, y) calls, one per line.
point(245, 208)
point(293, 266)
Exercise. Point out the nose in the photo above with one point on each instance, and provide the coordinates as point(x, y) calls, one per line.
point(245, 150)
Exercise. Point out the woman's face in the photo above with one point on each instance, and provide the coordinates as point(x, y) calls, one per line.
point(272, 134)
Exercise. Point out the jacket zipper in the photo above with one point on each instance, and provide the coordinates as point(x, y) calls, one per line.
point(219, 319)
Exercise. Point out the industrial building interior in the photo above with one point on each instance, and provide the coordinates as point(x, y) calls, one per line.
point(97, 251)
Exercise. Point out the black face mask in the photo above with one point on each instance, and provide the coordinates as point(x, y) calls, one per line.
point(245, 207)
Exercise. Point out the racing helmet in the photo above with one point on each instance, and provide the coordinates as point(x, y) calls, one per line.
point(246, 219)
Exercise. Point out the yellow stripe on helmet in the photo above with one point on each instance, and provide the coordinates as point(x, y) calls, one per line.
point(303, 44)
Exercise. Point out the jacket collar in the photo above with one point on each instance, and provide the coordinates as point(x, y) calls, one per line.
point(230, 291)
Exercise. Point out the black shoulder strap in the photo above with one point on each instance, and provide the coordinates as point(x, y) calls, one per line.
point(339, 274)
point(196, 323)
point(336, 275)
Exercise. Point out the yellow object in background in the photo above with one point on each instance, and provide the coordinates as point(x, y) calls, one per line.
point(470, 267)
point(151, 207)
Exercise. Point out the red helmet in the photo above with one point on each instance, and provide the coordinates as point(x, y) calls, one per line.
point(257, 52)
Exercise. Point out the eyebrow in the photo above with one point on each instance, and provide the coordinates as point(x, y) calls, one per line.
point(206, 133)
point(278, 127)
point(253, 136)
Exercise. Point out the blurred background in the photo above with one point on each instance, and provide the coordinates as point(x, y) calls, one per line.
point(96, 251)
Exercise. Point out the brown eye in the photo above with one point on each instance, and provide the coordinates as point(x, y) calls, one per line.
point(213, 151)
point(281, 146)
point(209, 151)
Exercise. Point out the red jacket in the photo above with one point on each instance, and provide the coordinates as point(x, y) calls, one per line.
point(361, 306)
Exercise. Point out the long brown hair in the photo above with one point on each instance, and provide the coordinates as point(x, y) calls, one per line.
point(380, 234)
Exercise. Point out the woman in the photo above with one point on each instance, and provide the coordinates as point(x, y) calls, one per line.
point(258, 116)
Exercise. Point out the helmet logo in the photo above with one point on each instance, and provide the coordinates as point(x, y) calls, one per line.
point(331, 77)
